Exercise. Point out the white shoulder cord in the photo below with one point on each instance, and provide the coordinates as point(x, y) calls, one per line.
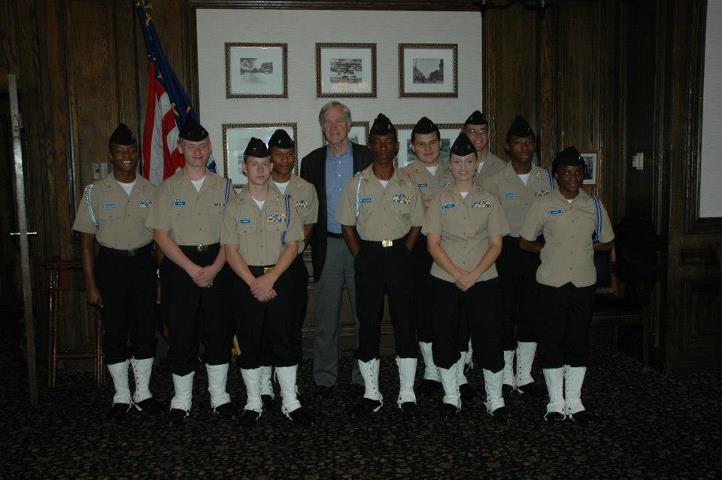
point(89, 200)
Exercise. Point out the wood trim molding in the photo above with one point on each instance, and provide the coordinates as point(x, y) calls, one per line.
point(427, 5)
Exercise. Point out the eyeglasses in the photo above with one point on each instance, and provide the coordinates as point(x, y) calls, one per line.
point(477, 131)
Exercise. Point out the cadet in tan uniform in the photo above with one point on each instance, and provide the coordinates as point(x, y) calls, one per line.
point(261, 233)
point(430, 174)
point(381, 214)
point(122, 279)
point(186, 220)
point(464, 225)
point(476, 127)
point(303, 195)
point(516, 187)
point(574, 225)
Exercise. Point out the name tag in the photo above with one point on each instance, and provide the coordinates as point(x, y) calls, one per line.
point(554, 212)
point(509, 195)
point(481, 204)
point(276, 217)
point(447, 205)
point(110, 205)
point(145, 203)
point(401, 198)
point(179, 203)
point(219, 204)
point(365, 200)
point(423, 185)
point(244, 221)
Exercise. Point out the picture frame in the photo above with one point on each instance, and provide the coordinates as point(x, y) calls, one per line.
point(346, 70)
point(256, 70)
point(235, 139)
point(591, 168)
point(447, 131)
point(359, 133)
point(428, 70)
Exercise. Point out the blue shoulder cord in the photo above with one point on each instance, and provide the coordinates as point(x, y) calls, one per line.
point(598, 219)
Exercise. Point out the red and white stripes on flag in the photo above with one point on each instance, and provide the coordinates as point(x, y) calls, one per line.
point(161, 157)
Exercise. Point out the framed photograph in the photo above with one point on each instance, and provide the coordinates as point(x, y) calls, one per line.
point(256, 70)
point(448, 131)
point(428, 70)
point(591, 167)
point(359, 133)
point(346, 69)
point(235, 140)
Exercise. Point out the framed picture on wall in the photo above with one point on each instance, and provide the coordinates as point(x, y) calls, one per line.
point(256, 70)
point(359, 133)
point(448, 131)
point(346, 69)
point(235, 140)
point(428, 70)
point(591, 168)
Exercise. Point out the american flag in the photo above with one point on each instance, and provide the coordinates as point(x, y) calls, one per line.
point(167, 108)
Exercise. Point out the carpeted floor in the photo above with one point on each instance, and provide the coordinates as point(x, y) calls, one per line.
point(648, 425)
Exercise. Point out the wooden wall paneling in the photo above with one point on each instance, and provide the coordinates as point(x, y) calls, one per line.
point(548, 98)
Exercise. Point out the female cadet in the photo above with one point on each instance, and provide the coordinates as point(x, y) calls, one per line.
point(260, 234)
point(574, 225)
point(464, 226)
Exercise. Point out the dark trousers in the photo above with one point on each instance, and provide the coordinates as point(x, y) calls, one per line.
point(265, 330)
point(564, 329)
point(519, 293)
point(299, 303)
point(421, 294)
point(195, 314)
point(452, 308)
point(381, 272)
point(127, 285)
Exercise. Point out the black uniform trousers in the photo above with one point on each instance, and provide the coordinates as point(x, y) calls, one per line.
point(421, 294)
point(299, 274)
point(381, 272)
point(564, 328)
point(451, 309)
point(126, 280)
point(266, 330)
point(519, 292)
point(196, 314)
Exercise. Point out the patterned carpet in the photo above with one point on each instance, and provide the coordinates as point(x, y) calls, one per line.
point(648, 425)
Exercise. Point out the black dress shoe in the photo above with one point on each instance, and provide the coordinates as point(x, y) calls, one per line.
point(267, 402)
point(149, 406)
point(554, 418)
point(300, 417)
point(581, 418)
point(428, 387)
point(324, 392)
point(501, 414)
point(409, 410)
point(118, 411)
point(226, 411)
point(449, 411)
point(467, 392)
point(366, 406)
point(533, 390)
point(507, 390)
point(177, 417)
point(248, 418)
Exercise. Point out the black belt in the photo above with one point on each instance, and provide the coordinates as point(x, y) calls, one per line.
point(198, 248)
point(262, 270)
point(399, 242)
point(334, 235)
point(133, 252)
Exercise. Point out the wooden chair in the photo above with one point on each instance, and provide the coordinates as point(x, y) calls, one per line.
point(619, 305)
point(58, 274)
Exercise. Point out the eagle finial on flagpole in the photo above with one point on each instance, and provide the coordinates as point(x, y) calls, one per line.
point(147, 7)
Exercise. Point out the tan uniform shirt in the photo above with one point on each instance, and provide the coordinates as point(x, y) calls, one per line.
point(492, 164)
point(429, 185)
point(465, 225)
point(384, 213)
point(259, 232)
point(568, 254)
point(304, 198)
point(116, 219)
point(192, 217)
point(515, 197)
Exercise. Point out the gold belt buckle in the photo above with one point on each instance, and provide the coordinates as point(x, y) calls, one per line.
point(267, 269)
point(387, 243)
